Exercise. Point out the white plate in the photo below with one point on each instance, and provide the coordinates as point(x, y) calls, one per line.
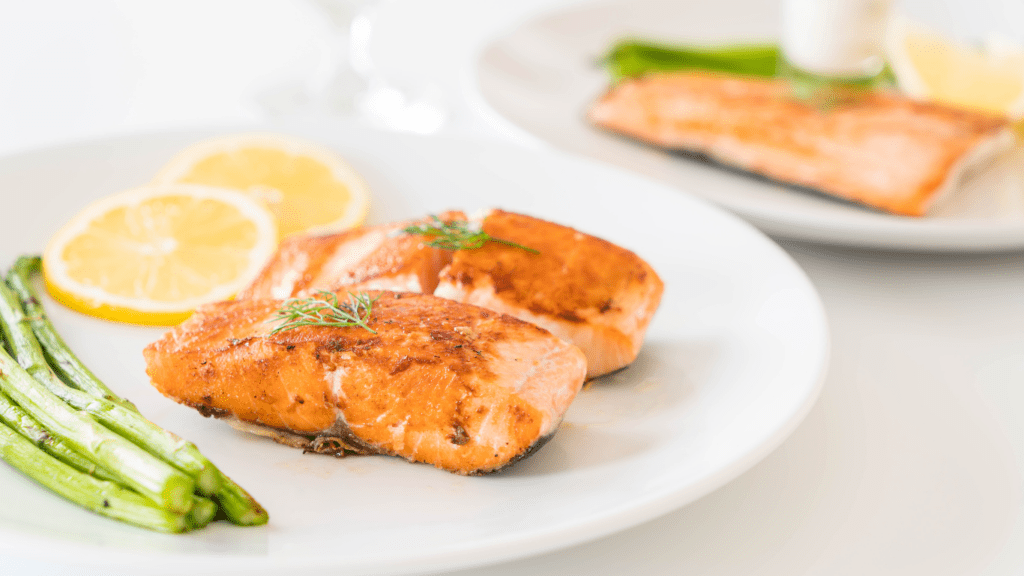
point(732, 362)
point(542, 75)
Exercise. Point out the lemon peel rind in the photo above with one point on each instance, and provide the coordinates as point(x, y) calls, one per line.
point(112, 312)
point(178, 166)
point(95, 301)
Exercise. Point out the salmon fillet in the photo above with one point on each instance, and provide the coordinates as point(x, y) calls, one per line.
point(585, 290)
point(369, 258)
point(460, 387)
point(880, 149)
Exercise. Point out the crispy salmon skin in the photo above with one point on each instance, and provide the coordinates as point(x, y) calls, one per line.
point(460, 387)
point(877, 148)
point(588, 291)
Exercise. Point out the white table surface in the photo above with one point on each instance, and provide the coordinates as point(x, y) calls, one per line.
point(911, 461)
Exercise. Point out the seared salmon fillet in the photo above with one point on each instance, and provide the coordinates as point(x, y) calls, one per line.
point(369, 258)
point(585, 290)
point(877, 148)
point(463, 388)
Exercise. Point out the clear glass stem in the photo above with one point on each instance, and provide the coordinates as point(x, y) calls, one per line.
point(347, 81)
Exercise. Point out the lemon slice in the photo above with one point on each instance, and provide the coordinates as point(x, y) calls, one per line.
point(929, 66)
point(151, 255)
point(308, 187)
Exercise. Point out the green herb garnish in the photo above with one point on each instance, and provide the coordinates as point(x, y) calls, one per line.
point(458, 235)
point(325, 311)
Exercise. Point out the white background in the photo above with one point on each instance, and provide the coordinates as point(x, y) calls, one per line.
point(910, 463)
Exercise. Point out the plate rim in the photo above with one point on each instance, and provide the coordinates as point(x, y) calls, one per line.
point(894, 233)
point(499, 550)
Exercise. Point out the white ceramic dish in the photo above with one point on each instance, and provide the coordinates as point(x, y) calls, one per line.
point(542, 75)
point(732, 362)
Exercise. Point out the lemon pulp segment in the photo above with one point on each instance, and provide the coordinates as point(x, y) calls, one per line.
point(308, 188)
point(151, 255)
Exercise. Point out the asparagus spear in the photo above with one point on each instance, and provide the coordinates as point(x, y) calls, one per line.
point(629, 59)
point(66, 364)
point(128, 423)
point(237, 504)
point(100, 496)
point(149, 476)
point(18, 420)
point(202, 513)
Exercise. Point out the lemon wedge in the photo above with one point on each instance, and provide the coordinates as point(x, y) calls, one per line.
point(151, 255)
point(308, 187)
point(929, 66)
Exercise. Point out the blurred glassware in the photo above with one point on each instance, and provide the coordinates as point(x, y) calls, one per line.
point(346, 81)
point(835, 38)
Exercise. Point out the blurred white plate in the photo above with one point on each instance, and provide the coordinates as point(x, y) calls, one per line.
point(733, 361)
point(542, 75)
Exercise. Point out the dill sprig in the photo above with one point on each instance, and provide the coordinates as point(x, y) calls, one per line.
point(458, 235)
point(325, 311)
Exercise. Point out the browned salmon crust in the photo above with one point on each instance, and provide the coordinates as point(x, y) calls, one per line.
point(369, 258)
point(881, 149)
point(585, 290)
point(449, 384)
